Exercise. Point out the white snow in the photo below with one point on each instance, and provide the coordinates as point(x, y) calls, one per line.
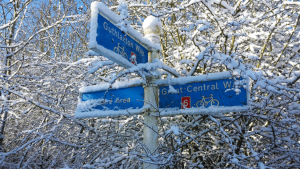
point(173, 129)
point(97, 65)
point(151, 21)
point(205, 111)
point(291, 3)
point(235, 160)
point(172, 90)
point(123, 20)
point(97, 7)
point(66, 167)
point(116, 85)
point(191, 79)
point(108, 113)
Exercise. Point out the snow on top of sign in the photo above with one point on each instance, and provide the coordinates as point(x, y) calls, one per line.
point(151, 21)
point(95, 6)
point(191, 79)
point(196, 111)
point(85, 106)
point(108, 113)
point(172, 90)
point(116, 85)
point(123, 19)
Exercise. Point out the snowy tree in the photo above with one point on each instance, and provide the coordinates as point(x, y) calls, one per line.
point(44, 60)
point(38, 41)
point(256, 40)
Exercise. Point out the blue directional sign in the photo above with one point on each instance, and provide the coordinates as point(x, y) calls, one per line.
point(117, 99)
point(197, 95)
point(112, 38)
point(202, 95)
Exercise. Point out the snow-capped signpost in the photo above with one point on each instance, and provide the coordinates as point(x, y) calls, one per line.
point(203, 94)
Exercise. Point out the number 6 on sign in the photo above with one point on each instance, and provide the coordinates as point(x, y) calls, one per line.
point(186, 102)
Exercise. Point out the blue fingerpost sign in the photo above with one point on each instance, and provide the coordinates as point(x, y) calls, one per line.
point(110, 102)
point(109, 38)
point(112, 38)
point(203, 94)
point(117, 99)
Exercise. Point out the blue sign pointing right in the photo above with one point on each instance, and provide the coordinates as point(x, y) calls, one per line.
point(202, 95)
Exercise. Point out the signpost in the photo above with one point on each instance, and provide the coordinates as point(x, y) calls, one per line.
point(211, 93)
point(198, 93)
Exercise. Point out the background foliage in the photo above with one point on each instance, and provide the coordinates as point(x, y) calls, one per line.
point(44, 60)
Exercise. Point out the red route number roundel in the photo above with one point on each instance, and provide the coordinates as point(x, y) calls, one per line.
point(186, 102)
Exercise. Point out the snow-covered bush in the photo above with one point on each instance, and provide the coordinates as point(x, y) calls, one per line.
point(44, 60)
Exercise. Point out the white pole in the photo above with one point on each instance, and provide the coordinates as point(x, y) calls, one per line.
point(152, 29)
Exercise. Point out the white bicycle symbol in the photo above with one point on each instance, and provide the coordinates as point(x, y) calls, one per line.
point(120, 51)
point(204, 102)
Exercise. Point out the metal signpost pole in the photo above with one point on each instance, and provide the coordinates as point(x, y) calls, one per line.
point(151, 97)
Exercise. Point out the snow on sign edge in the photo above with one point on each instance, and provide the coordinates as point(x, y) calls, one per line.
point(164, 111)
point(97, 7)
point(103, 114)
point(160, 82)
point(205, 111)
point(111, 113)
point(197, 111)
point(191, 79)
point(106, 86)
point(108, 113)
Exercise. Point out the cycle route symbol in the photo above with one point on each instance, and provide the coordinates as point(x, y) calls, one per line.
point(120, 50)
point(206, 100)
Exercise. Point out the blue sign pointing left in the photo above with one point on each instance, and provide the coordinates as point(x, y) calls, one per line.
point(117, 99)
